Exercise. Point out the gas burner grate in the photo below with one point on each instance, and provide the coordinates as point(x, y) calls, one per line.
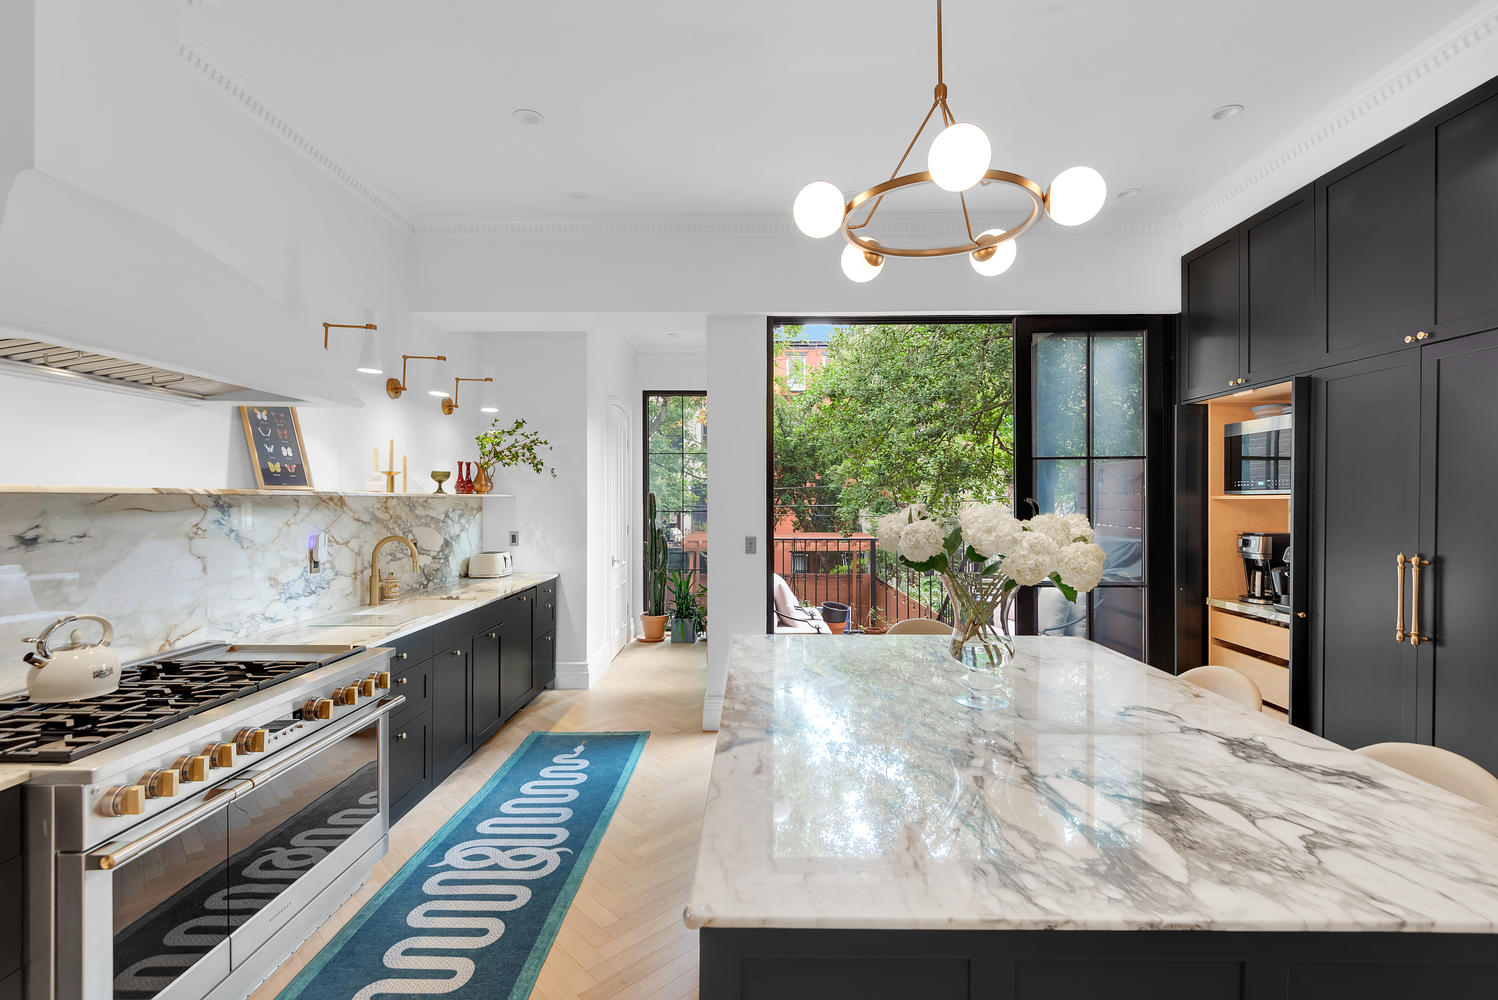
point(150, 696)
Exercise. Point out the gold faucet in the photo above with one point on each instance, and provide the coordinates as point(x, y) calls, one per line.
point(374, 564)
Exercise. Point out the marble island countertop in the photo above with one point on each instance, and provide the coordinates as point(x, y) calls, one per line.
point(464, 596)
point(850, 790)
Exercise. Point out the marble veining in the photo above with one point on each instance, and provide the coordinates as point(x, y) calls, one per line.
point(850, 790)
point(170, 569)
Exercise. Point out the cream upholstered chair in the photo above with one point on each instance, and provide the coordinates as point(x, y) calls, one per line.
point(919, 626)
point(1442, 768)
point(790, 616)
point(1227, 682)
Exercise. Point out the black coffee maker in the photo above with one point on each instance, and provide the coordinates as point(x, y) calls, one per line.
point(1264, 568)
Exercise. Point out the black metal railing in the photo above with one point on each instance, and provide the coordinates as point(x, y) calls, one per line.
point(839, 569)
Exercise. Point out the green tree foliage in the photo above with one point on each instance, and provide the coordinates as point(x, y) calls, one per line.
point(897, 413)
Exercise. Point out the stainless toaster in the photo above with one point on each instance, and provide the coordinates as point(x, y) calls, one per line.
point(491, 564)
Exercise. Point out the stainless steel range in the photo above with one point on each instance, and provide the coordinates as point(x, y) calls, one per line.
point(186, 833)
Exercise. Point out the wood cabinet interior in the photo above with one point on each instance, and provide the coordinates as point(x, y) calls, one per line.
point(1246, 644)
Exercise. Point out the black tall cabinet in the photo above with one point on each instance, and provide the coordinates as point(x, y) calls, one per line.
point(1379, 281)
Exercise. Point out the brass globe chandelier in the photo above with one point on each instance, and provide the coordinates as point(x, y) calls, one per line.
point(960, 158)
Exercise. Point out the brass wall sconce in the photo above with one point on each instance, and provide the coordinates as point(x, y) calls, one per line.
point(450, 403)
point(370, 362)
point(394, 387)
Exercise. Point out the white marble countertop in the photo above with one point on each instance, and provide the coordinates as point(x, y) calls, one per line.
point(850, 790)
point(470, 594)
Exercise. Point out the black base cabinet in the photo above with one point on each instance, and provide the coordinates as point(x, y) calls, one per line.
point(544, 660)
point(410, 761)
point(12, 887)
point(473, 673)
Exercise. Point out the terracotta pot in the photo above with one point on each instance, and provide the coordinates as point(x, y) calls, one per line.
point(837, 627)
point(655, 627)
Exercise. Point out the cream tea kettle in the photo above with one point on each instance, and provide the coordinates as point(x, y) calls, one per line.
point(73, 672)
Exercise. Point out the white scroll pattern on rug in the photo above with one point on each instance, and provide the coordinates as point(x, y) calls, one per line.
point(529, 851)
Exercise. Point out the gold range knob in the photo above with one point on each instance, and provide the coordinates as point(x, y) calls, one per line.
point(250, 741)
point(219, 754)
point(318, 708)
point(382, 680)
point(192, 768)
point(161, 784)
point(347, 696)
point(127, 800)
point(367, 687)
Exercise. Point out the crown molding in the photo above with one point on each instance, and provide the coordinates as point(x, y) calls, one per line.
point(198, 58)
point(1403, 76)
point(743, 227)
point(671, 355)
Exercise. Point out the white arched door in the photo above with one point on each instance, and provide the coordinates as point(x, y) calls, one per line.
point(621, 616)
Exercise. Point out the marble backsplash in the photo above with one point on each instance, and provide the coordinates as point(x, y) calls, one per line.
point(172, 569)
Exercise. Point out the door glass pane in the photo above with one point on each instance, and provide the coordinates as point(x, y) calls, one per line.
point(663, 424)
point(1118, 518)
point(665, 482)
point(1118, 395)
point(1061, 486)
point(169, 908)
point(1061, 394)
point(284, 826)
point(1118, 619)
point(1055, 615)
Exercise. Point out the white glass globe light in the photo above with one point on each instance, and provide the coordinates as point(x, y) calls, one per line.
point(1075, 196)
point(959, 157)
point(1003, 256)
point(857, 267)
point(819, 209)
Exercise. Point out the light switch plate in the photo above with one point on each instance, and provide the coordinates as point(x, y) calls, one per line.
point(751, 543)
point(514, 539)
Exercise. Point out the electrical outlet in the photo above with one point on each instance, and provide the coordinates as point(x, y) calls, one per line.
point(514, 539)
point(751, 543)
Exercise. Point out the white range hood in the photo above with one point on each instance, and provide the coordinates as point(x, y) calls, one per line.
point(80, 272)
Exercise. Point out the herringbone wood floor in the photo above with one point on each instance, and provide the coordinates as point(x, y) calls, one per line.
point(623, 937)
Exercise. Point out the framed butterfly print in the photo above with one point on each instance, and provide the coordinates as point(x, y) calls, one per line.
point(276, 452)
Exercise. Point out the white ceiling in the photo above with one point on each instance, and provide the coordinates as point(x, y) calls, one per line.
point(683, 109)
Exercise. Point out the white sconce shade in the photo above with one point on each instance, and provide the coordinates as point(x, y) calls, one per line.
point(371, 358)
point(1075, 196)
point(438, 385)
point(489, 401)
point(959, 157)
point(819, 209)
point(1003, 256)
point(856, 265)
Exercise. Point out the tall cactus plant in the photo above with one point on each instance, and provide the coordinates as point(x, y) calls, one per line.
point(655, 561)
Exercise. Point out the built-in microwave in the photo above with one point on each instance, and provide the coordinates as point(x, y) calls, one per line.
point(1256, 455)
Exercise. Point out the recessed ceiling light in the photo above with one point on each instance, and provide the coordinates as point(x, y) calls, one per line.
point(526, 116)
point(1128, 192)
point(577, 195)
point(1226, 111)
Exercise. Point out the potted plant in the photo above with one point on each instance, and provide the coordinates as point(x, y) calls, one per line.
point(653, 618)
point(686, 613)
point(506, 446)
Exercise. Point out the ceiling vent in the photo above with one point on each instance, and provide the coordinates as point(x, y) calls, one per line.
point(33, 357)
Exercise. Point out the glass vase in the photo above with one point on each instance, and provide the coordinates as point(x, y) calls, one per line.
point(981, 640)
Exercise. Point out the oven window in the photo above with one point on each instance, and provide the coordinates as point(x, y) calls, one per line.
point(170, 908)
point(281, 829)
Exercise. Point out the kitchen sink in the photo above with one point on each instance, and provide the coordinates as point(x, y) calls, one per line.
point(419, 607)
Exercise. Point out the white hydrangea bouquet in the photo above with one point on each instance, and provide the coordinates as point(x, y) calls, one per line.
point(986, 557)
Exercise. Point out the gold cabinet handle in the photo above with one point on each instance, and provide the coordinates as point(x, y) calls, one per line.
point(1415, 637)
point(1399, 609)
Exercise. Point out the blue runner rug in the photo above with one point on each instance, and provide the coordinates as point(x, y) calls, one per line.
point(474, 912)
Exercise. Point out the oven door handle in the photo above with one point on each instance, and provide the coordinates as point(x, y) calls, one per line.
point(324, 740)
point(113, 855)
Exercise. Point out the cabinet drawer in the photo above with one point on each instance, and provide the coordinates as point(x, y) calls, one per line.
point(410, 649)
point(1260, 636)
point(1273, 679)
point(544, 616)
point(410, 761)
point(415, 682)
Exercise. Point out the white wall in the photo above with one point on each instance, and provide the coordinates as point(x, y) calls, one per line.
point(737, 383)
